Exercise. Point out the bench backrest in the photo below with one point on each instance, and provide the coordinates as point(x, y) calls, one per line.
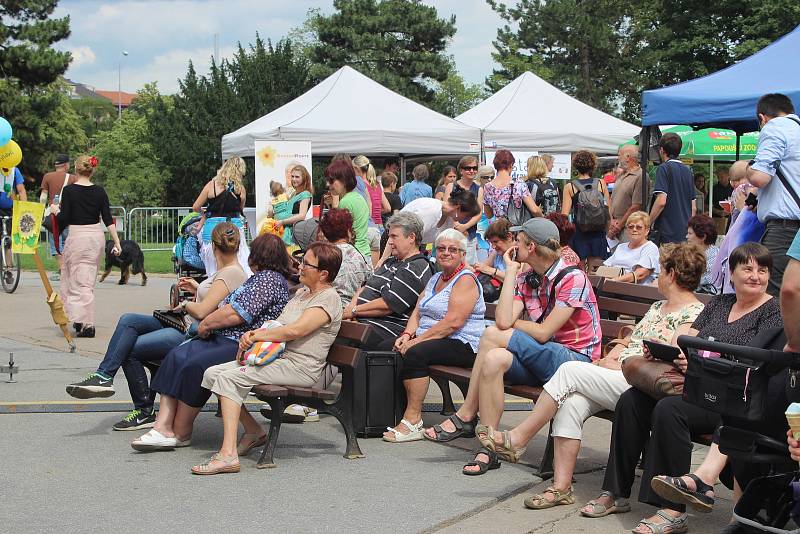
point(642, 292)
point(622, 307)
point(345, 349)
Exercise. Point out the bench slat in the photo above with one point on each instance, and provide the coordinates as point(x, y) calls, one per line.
point(314, 393)
point(268, 390)
point(637, 309)
point(353, 332)
point(342, 355)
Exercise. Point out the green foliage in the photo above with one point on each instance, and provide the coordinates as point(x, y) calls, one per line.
point(44, 122)
point(398, 43)
point(26, 35)
point(186, 130)
point(95, 114)
point(32, 98)
point(606, 53)
point(454, 96)
point(129, 168)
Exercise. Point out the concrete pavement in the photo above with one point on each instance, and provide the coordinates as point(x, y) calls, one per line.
point(69, 471)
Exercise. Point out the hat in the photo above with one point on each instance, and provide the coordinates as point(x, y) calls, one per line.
point(485, 171)
point(62, 159)
point(539, 230)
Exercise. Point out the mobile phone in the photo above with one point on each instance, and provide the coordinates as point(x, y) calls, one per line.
point(660, 351)
point(514, 254)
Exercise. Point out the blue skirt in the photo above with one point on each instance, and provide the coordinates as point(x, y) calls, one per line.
point(589, 244)
point(182, 370)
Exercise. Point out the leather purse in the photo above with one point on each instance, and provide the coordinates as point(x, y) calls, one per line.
point(656, 378)
point(173, 319)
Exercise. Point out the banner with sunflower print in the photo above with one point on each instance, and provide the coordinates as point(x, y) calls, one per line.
point(274, 162)
point(26, 227)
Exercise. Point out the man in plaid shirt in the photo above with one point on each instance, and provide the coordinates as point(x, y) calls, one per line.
point(563, 325)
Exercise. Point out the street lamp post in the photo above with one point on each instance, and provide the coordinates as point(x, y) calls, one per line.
point(119, 85)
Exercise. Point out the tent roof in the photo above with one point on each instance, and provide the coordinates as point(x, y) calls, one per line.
point(349, 112)
point(728, 98)
point(531, 114)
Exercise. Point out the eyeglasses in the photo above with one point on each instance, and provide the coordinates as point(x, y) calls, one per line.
point(470, 168)
point(449, 250)
point(635, 227)
point(304, 264)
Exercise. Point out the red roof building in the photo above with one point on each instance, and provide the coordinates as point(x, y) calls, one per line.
point(117, 97)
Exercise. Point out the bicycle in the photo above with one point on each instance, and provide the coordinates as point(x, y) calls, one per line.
point(10, 264)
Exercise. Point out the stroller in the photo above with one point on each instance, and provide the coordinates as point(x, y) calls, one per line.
point(768, 501)
point(186, 260)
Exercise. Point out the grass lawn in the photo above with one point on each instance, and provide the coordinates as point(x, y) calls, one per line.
point(157, 261)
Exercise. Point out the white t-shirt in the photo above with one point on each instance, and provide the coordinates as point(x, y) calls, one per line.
point(430, 211)
point(644, 256)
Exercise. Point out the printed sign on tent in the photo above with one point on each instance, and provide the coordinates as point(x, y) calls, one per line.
point(562, 166)
point(274, 161)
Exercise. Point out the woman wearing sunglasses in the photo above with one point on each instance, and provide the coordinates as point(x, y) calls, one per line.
point(443, 329)
point(638, 257)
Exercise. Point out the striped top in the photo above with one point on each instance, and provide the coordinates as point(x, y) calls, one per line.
point(399, 284)
point(433, 308)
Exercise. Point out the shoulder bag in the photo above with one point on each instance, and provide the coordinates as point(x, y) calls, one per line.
point(656, 378)
point(47, 220)
point(517, 216)
point(179, 320)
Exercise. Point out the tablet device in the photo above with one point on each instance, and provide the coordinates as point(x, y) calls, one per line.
point(661, 351)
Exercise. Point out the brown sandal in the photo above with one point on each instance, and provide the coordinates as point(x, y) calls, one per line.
point(230, 464)
point(255, 441)
point(539, 502)
point(506, 451)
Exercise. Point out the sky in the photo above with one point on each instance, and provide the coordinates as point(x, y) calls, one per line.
point(162, 36)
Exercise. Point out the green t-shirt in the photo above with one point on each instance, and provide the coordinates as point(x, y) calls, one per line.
point(357, 206)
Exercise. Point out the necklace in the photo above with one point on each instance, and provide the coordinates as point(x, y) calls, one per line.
point(446, 278)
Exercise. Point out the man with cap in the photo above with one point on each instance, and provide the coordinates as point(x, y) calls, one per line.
point(563, 325)
point(52, 184)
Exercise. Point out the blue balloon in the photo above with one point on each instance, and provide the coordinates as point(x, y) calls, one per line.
point(5, 131)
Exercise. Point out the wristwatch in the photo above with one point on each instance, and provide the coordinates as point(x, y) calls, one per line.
point(354, 311)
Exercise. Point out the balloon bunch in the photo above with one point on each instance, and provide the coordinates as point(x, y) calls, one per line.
point(10, 152)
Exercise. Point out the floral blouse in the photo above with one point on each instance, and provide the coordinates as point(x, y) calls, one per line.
point(659, 327)
point(498, 198)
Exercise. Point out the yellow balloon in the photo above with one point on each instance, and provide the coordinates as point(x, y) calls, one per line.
point(10, 155)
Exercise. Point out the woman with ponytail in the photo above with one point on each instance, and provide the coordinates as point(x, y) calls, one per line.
point(377, 202)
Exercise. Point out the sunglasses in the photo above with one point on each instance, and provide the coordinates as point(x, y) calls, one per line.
point(470, 168)
point(449, 250)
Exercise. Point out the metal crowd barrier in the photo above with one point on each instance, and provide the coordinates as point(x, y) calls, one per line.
point(155, 228)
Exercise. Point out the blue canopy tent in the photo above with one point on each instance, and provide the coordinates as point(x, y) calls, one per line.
point(724, 99)
point(727, 99)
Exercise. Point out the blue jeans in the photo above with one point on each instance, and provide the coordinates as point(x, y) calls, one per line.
point(62, 238)
point(535, 363)
point(138, 338)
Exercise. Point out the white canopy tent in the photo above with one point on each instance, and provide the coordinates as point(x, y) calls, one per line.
point(530, 114)
point(348, 112)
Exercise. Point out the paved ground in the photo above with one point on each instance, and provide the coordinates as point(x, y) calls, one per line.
point(65, 470)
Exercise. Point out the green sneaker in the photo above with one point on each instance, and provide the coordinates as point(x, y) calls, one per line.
point(136, 420)
point(94, 385)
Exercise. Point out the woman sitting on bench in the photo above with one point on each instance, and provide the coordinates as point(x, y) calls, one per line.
point(578, 389)
point(638, 258)
point(261, 298)
point(309, 325)
point(444, 328)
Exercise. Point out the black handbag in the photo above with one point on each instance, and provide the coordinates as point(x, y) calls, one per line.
point(173, 319)
point(490, 286)
point(726, 387)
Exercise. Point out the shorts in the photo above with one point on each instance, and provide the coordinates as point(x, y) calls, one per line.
point(62, 238)
point(535, 363)
point(374, 237)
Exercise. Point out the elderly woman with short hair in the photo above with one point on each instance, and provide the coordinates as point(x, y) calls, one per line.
point(638, 258)
point(336, 226)
point(444, 329)
point(308, 325)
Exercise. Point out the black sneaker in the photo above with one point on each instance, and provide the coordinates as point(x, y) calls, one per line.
point(86, 331)
point(136, 420)
point(92, 386)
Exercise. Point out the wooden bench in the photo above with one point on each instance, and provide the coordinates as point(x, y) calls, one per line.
point(443, 375)
point(644, 293)
point(344, 354)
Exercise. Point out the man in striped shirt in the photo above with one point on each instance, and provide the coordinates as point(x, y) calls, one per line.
point(390, 294)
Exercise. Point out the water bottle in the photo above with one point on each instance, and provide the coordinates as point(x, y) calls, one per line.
point(56, 199)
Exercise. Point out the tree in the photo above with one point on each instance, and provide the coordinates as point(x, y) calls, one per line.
point(31, 97)
point(129, 168)
point(563, 42)
point(95, 114)
point(187, 131)
point(398, 43)
point(454, 96)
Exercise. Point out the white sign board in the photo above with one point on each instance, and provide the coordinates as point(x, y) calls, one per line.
point(274, 163)
point(562, 167)
point(520, 169)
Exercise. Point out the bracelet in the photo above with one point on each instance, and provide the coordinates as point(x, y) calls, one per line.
point(495, 272)
point(409, 334)
point(634, 277)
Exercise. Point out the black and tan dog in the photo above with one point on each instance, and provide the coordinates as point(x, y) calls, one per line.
point(131, 259)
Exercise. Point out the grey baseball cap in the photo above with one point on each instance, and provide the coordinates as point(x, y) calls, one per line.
point(539, 230)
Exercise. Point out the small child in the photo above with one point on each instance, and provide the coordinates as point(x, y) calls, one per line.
point(281, 207)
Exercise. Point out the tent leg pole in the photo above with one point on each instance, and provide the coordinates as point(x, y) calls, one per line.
point(737, 146)
point(644, 157)
point(481, 151)
point(710, 185)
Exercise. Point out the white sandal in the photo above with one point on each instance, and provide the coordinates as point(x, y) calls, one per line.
point(154, 441)
point(414, 434)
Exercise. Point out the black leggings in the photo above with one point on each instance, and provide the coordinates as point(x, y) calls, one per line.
point(445, 351)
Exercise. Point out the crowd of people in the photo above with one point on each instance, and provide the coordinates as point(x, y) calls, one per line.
point(407, 264)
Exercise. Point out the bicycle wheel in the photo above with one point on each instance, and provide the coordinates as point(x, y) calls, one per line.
point(9, 274)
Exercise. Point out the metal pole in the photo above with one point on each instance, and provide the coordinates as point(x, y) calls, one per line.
point(119, 89)
point(710, 185)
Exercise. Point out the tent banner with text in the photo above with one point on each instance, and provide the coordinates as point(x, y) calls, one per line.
point(274, 161)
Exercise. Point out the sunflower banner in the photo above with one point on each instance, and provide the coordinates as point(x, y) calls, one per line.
point(26, 227)
point(274, 162)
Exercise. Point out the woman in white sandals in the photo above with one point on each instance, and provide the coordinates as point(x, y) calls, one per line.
point(443, 329)
point(310, 322)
